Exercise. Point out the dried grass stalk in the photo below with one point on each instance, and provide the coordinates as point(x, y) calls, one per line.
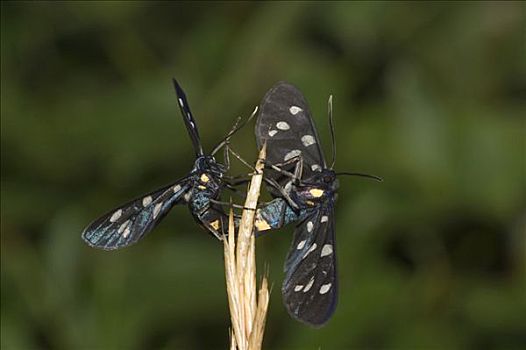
point(247, 312)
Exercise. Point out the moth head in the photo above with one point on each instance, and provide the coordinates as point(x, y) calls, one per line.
point(326, 177)
point(325, 180)
point(208, 164)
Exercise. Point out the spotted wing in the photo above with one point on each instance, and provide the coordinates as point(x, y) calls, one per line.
point(189, 120)
point(285, 124)
point(310, 285)
point(127, 224)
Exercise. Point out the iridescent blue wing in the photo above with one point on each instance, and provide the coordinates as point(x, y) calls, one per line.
point(310, 285)
point(128, 223)
point(285, 124)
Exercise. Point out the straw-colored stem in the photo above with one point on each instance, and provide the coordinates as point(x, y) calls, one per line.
point(247, 312)
point(256, 337)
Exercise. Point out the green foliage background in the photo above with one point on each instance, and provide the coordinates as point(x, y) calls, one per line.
point(430, 96)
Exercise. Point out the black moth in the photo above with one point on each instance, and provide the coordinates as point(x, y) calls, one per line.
point(200, 189)
point(304, 188)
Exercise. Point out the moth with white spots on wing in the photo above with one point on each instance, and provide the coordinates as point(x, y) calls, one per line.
point(128, 223)
point(284, 123)
point(304, 190)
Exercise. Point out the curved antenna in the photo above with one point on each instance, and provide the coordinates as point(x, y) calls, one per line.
point(234, 129)
point(374, 177)
point(333, 136)
point(227, 137)
point(189, 121)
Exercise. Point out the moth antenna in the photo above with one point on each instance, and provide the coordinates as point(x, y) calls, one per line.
point(234, 129)
point(227, 137)
point(374, 177)
point(333, 136)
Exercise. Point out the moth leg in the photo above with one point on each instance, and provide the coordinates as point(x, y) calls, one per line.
point(220, 210)
point(235, 154)
point(283, 193)
point(298, 169)
point(236, 181)
point(237, 206)
point(226, 157)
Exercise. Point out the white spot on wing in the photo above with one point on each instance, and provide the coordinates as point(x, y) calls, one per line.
point(324, 218)
point(301, 245)
point(123, 226)
point(308, 140)
point(326, 250)
point(313, 248)
point(282, 125)
point(294, 110)
point(116, 215)
point(157, 209)
point(325, 288)
point(272, 132)
point(298, 287)
point(126, 232)
point(315, 167)
point(310, 226)
point(187, 196)
point(176, 188)
point(309, 285)
point(292, 154)
point(146, 201)
point(181, 102)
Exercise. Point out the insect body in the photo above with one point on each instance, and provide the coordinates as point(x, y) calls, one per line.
point(284, 123)
point(128, 223)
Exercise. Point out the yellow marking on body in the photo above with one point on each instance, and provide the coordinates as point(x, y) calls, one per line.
point(316, 192)
point(262, 225)
point(204, 178)
point(311, 203)
point(201, 187)
point(215, 225)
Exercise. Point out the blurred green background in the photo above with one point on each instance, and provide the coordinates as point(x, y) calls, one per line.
point(430, 96)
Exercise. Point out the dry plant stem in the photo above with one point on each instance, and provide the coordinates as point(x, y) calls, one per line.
point(231, 283)
point(247, 310)
point(256, 337)
point(246, 260)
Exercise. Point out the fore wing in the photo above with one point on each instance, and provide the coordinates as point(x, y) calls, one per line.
point(285, 124)
point(128, 223)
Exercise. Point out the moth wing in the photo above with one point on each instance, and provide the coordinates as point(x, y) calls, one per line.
point(310, 286)
point(127, 224)
point(188, 118)
point(285, 123)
